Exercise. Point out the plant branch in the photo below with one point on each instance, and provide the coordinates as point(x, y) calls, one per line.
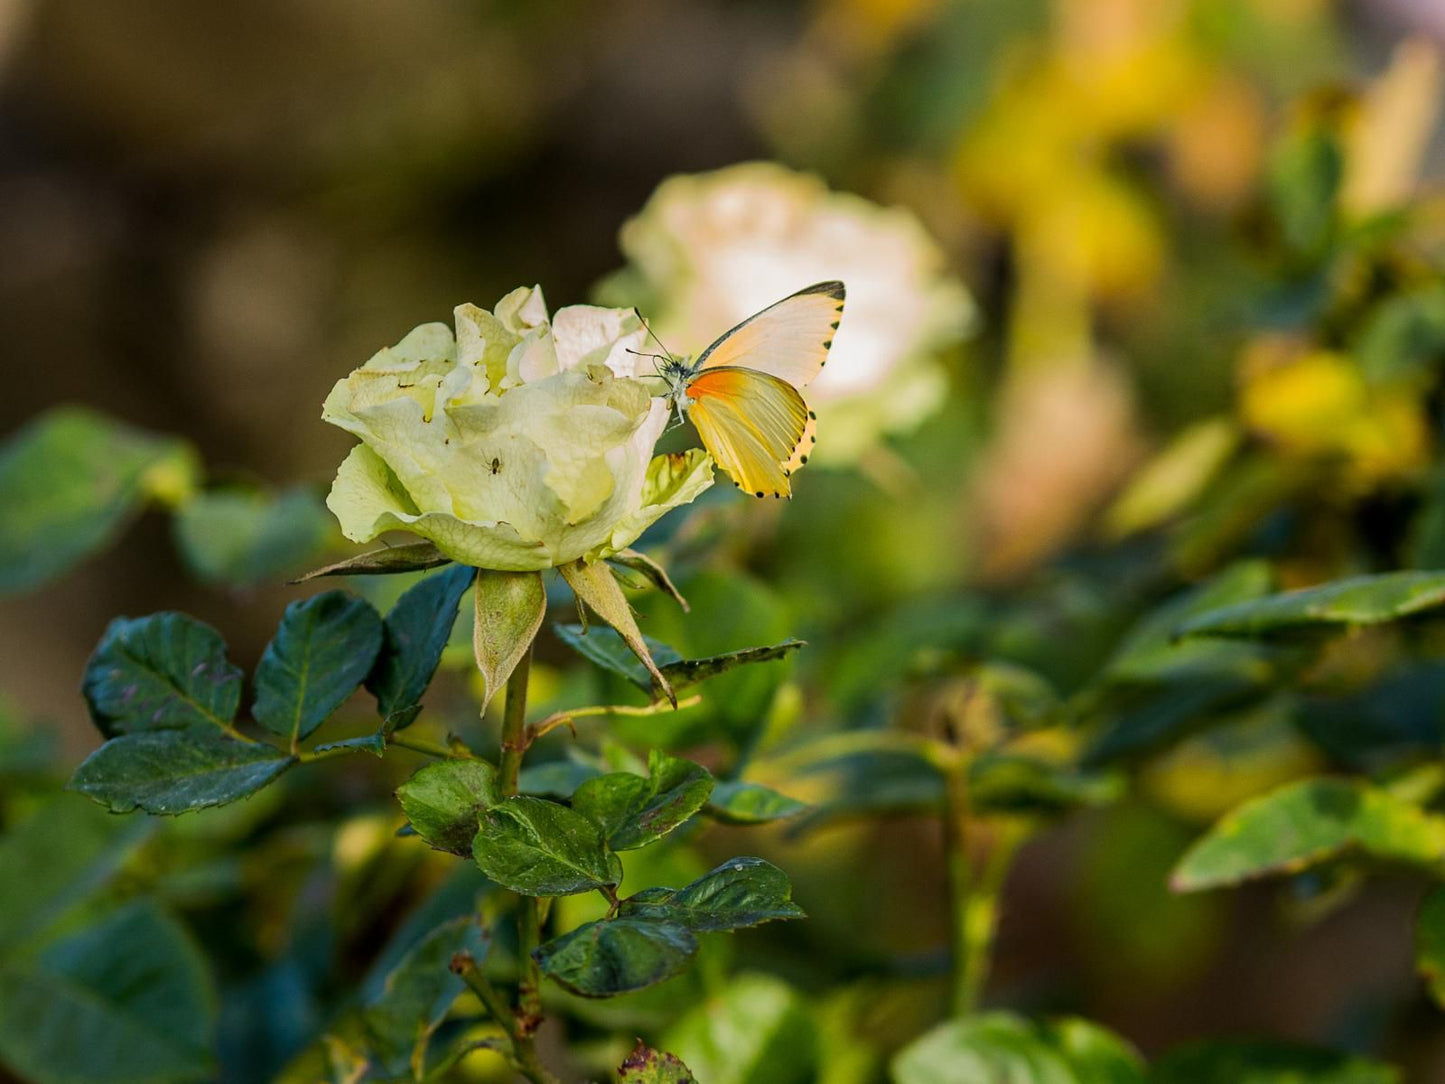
point(430, 748)
point(523, 1052)
point(974, 886)
point(566, 718)
point(514, 725)
point(514, 747)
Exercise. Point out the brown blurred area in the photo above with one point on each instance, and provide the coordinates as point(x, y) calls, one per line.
point(209, 212)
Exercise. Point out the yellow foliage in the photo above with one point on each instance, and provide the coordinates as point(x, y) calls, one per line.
point(1319, 405)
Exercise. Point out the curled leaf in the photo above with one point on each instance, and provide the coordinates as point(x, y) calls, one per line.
point(413, 557)
point(655, 573)
point(595, 585)
point(510, 608)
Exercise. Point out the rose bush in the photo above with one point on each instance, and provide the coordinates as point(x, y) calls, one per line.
point(519, 443)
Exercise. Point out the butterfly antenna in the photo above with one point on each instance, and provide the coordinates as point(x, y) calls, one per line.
point(655, 339)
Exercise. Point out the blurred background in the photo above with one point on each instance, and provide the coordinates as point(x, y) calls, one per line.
point(211, 212)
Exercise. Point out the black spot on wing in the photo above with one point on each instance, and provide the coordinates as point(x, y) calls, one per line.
point(833, 288)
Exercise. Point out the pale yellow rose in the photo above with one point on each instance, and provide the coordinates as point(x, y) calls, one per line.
point(519, 443)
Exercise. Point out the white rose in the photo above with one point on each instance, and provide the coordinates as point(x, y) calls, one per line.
point(520, 443)
point(710, 249)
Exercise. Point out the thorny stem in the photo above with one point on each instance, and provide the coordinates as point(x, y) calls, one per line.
point(523, 1052)
point(514, 725)
point(565, 718)
point(431, 748)
point(974, 886)
point(529, 998)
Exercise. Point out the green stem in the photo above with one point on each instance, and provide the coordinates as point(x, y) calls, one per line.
point(421, 745)
point(566, 718)
point(529, 924)
point(975, 888)
point(514, 725)
point(529, 936)
point(523, 1051)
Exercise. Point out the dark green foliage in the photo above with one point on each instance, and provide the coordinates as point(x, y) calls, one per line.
point(444, 802)
point(736, 802)
point(176, 771)
point(633, 811)
point(321, 653)
point(540, 848)
point(244, 538)
point(166, 671)
point(416, 631)
point(739, 893)
point(617, 956)
point(1220, 1062)
point(127, 999)
point(608, 650)
point(68, 483)
point(1000, 1046)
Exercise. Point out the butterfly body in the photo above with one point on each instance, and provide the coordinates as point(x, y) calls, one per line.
point(743, 395)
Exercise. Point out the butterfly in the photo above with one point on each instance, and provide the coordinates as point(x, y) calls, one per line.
point(742, 392)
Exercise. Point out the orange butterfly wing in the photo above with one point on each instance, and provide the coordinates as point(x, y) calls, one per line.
point(754, 424)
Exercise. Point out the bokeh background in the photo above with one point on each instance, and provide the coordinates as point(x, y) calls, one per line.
point(211, 212)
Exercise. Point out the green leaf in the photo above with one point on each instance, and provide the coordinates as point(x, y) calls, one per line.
point(373, 743)
point(616, 956)
point(416, 631)
point(757, 1031)
point(1404, 336)
point(735, 802)
point(321, 653)
point(69, 480)
point(162, 672)
point(1012, 782)
point(1151, 655)
point(1245, 1062)
point(540, 848)
point(607, 650)
point(242, 537)
point(866, 773)
point(647, 1066)
point(1291, 828)
point(509, 611)
point(418, 993)
point(691, 671)
point(1003, 1047)
point(411, 557)
point(55, 859)
point(1430, 943)
point(555, 778)
point(1303, 181)
point(444, 802)
point(176, 771)
point(633, 811)
point(128, 1000)
point(739, 893)
point(1359, 600)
